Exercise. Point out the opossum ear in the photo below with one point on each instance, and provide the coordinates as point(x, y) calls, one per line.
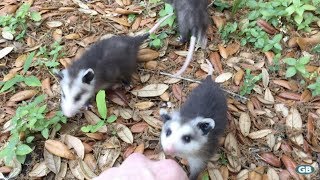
point(58, 74)
point(88, 76)
point(164, 115)
point(205, 125)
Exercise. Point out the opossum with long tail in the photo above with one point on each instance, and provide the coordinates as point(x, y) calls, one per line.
point(107, 63)
point(193, 19)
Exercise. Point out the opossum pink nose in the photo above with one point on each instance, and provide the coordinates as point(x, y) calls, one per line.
point(169, 149)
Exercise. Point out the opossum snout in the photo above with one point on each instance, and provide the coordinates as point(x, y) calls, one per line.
point(170, 150)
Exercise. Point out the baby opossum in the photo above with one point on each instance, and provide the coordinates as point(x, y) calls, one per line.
point(193, 131)
point(106, 63)
point(192, 19)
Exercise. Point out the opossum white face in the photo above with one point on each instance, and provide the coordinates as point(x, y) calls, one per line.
point(184, 138)
point(75, 91)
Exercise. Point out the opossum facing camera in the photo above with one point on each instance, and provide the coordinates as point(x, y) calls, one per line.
point(107, 63)
point(193, 132)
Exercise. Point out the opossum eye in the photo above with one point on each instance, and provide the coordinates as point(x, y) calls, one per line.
point(186, 138)
point(168, 132)
point(77, 98)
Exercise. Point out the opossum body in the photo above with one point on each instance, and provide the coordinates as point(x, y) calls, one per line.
point(193, 132)
point(106, 63)
point(193, 19)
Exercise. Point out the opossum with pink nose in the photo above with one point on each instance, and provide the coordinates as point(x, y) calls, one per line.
point(193, 132)
point(106, 64)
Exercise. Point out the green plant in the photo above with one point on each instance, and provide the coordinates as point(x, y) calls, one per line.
point(102, 109)
point(315, 87)
point(221, 5)
point(273, 44)
point(297, 8)
point(28, 80)
point(276, 64)
point(297, 65)
point(316, 49)
point(18, 23)
point(48, 57)
point(249, 82)
point(157, 40)
point(228, 29)
point(30, 118)
point(168, 9)
point(223, 159)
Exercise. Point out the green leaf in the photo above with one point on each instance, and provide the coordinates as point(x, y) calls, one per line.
point(111, 119)
point(45, 133)
point(290, 10)
point(308, 7)
point(205, 176)
point(36, 16)
point(96, 127)
point(32, 81)
point(298, 19)
point(28, 62)
point(291, 71)
point(290, 61)
point(22, 158)
point(29, 139)
point(86, 128)
point(101, 103)
point(8, 84)
point(304, 60)
point(23, 149)
point(267, 47)
point(277, 38)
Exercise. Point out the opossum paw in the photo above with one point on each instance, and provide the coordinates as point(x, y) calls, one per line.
point(182, 39)
point(87, 107)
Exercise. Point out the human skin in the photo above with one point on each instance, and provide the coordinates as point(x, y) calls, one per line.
point(139, 167)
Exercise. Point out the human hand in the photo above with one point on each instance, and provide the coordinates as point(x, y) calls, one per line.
point(137, 166)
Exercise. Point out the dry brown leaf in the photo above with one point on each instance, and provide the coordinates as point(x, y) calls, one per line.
point(268, 95)
point(128, 151)
point(136, 23)
point(223, 51)
point(244, 124)
point(151, 65)
point(265, 78)
point(271, 159)
point(215, 60)
point(215, 174)
point(118, 98)
point(266, 26)
point(54, 24)
point(152, 121)
point(177, 92)
point(272, 174)
point(290, 165)
point(282, 108)
point(282, 83)
point(144, 105)
point(284, 175)
point(59, 149)
point(75, 143)
point(87, 148)
point(243, 175)
point(232, 48)
point(151, 90)
point(72, 36)
point(165, 96)
point(75, 169)
point(94, 119)
point(219, 21)
point(119, 2)
point(260, 133)
point(144, 78)
point(147, 55)
point(107, 158)
point(139, 148)
point(306, 96)
point(20, 60)
point(238, 77)
point(90, 161)
point(45, 85)
point(5, 51)
point(126, 113)
point(139, 127)
point(293, 120)
point(223, 77)
point(307, 43)
point(39, 170)
point(8, 9)
point(231, 146)
point(23, 95)
point(112, 142)
point(310, 127)
point(290, 95)
point(5, 169)
point(52, 162)
point(122, 21)
point(86, 171)
point(57, 34)
point(124, 133)
point(271, 140)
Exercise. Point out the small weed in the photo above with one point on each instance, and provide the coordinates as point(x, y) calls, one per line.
point(168, 9)
point(157, 40)
point(276, 64)
point(131, 18)
point(249, 82)
point(316, 49)
point(17, 25)
point(48, 57)
point(102, 109)
point(228, 29)
point(223, 159)
point(315, 87)
point(221, 5)
point(30, 118)
point(297, 65)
